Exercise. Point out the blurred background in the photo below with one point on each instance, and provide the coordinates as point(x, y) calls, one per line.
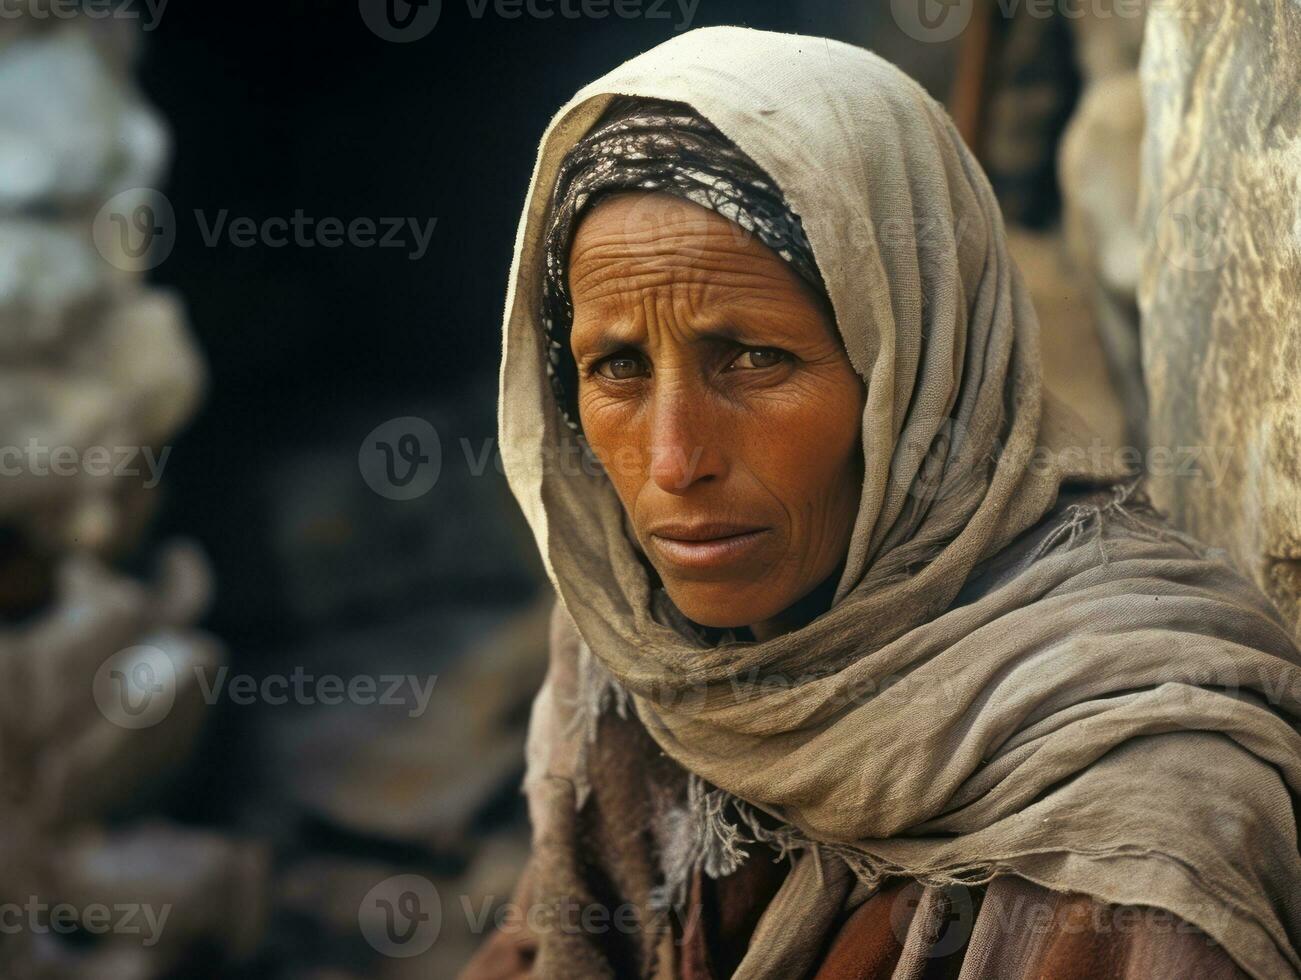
point(270, 620)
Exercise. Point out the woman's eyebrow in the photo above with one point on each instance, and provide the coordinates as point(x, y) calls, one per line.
point(604, 340)
point(617, 336)
point(733, 331)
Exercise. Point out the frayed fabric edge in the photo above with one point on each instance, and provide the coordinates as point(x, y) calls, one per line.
point(1127, 510)
point(598, 692)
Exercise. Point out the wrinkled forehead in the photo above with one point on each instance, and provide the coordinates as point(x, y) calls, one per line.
point(658, 235)
point(635, 252)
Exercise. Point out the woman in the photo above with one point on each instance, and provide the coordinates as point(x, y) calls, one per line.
point(863, 665)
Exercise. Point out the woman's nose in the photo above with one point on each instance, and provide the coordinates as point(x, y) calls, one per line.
point(683, 451)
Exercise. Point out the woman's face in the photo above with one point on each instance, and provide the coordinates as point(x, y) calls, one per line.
point(715, 392)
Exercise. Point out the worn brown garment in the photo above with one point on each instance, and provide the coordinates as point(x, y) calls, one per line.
point(1009, 930)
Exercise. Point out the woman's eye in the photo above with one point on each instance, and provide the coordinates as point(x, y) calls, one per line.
point(758, 357)
point(620, 368)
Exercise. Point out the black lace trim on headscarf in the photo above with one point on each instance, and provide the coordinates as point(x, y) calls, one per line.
point(642, 144)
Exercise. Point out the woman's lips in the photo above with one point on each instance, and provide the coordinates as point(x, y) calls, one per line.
point(708, 552)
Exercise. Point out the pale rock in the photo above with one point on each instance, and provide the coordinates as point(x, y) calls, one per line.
point(214, 888)
point(1098, 173)
point(48, 667)
point(50, 278)
point(131, 380)
point(1221, 279)
point(72, 132)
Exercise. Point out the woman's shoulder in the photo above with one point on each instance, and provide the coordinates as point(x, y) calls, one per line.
point(1097, 523)
point(1013, 928)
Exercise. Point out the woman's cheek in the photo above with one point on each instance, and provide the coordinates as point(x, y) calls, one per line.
point(802, 427)
point(603, 412)
point(609, 430)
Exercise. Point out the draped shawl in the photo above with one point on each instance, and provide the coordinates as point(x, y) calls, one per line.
point(1114, 712)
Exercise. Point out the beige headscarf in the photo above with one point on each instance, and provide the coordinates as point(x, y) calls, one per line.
point(1070, 724)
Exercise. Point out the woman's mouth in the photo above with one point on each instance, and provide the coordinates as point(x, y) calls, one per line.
point(706, 547)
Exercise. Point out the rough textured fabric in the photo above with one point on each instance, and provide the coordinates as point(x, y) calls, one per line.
point(1013, 930)
point(1115, 718)
point(1221, 281)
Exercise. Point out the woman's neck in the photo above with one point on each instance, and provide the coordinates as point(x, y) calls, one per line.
point(802, 611)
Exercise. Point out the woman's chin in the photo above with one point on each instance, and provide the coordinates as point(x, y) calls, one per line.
point(723, 605)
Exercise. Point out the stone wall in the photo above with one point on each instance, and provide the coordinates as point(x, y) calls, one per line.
point(98, 700)
point(1220, 292)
